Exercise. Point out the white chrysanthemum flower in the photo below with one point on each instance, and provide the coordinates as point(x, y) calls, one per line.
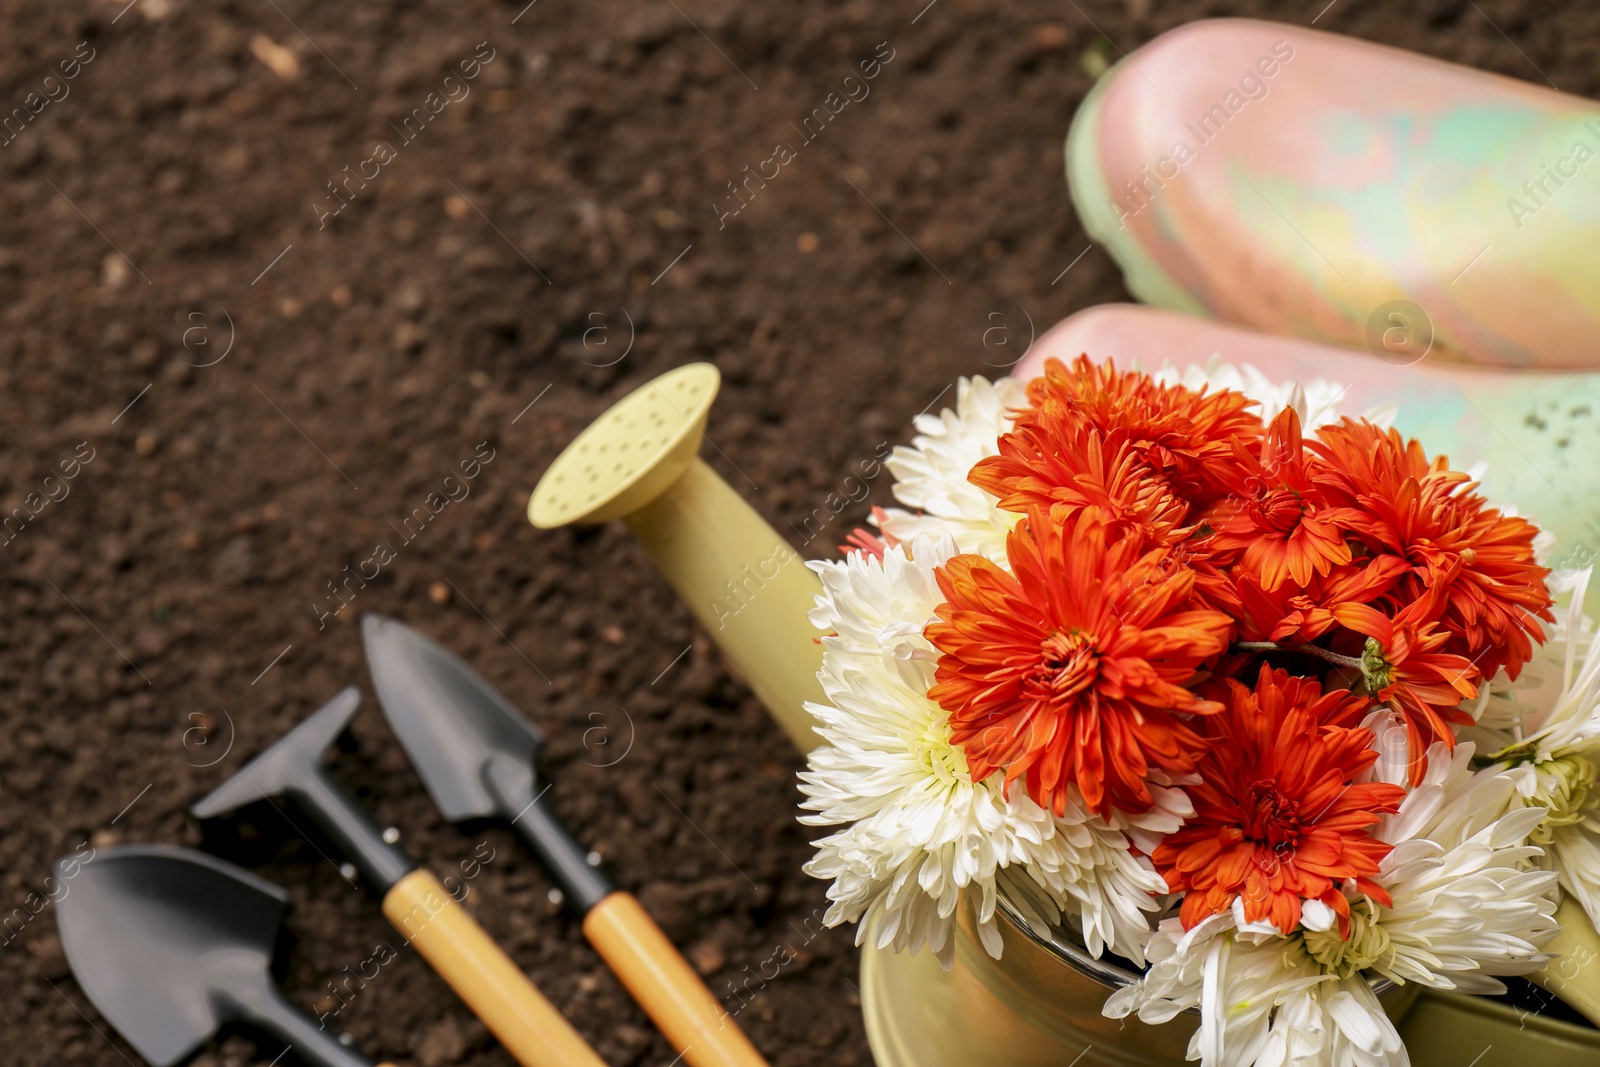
point(916, 832)
point(1262, 1000)
point(1557, 767)
point(1466, 907)
point(1392, 742)
point(1315, 401)
point(1468, 902)
point(1170, 806)
point(1505, 712)
point(1502, 707)
point(931, 473)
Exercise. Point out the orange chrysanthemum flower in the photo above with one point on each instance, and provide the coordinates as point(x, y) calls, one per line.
point(1406, 667)
point(1179, 433)
point(1274, 512)
point(1291, 613)
point(1054, 461)
point(1397, 501)
point(1070, 670)
point(1279, 816)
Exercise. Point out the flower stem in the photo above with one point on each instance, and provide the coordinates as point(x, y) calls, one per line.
point(1315, 650)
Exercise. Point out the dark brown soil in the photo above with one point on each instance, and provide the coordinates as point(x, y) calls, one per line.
point(173, 596)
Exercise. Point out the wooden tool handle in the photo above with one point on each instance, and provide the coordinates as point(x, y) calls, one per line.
point(692, 1019)
point(483, 976)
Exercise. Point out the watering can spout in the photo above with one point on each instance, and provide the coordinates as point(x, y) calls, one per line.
point(744, 583)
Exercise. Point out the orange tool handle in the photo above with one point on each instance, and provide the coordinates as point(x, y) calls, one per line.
point(483, 976)
point(665, 986)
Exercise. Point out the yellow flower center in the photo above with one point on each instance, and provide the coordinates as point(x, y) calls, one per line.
point(1566, 788)
point(940, 759)
point(1368, 943)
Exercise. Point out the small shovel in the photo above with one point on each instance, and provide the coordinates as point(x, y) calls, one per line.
point(171, 944)
point(442, 931)
point(477, 754)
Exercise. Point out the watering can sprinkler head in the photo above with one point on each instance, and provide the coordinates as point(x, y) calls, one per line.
point(744, 583)
point(631, 454)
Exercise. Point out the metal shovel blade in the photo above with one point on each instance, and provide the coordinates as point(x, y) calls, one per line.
point(451, 722)
point(154, 934)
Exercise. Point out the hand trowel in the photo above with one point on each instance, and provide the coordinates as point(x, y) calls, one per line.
point(433, 921)
point(170, 945)
point(477, 754)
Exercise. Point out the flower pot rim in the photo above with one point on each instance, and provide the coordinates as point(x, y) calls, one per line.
point(1069, 952)
point(1105, 971)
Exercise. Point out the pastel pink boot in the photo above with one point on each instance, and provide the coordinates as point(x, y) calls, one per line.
point(1536, 435)
point(1319, 186)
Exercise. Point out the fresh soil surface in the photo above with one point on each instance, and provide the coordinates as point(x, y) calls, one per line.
point(255, 380)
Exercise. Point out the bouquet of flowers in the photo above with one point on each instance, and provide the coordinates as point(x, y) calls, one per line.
point(1254, 696)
